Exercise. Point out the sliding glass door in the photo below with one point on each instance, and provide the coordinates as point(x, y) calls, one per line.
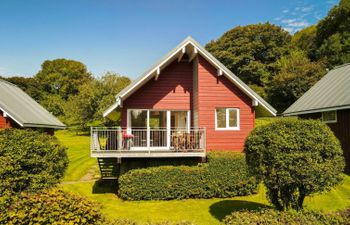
point(152, 128)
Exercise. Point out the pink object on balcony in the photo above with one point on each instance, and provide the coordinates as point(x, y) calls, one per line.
point(127, 136)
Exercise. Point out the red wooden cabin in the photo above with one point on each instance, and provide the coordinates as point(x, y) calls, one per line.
point(185, 105)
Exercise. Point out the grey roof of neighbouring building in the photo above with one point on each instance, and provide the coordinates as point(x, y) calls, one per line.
point(332, 92)
point(23, 109)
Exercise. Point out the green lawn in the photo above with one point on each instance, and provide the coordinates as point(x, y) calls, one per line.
point(199, 211)
point(78, 154)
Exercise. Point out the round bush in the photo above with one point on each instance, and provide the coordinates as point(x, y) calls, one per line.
point(294, 158)
point(30, 161)
point(273, 217)
point(52, 207)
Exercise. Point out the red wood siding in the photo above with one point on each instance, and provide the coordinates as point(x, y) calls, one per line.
point(172, 90)
point(196, 87)
point(217, 91)
point(5, 122)
point(341, 129)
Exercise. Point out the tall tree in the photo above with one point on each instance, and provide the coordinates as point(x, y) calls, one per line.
point(111, 84)
point(251, 52)
point(62, 77)
point(305, 40)
point(333, 35)
point(94, 97)
point(297, 75)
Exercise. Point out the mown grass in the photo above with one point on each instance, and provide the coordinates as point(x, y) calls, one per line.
point(199, 211)
point(78, 153)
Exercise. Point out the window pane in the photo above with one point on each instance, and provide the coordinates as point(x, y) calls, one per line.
point(233, 115)
point(178, 119)
point(329, 116)
point(221, 118)
point(138, 118)
point(157, 119)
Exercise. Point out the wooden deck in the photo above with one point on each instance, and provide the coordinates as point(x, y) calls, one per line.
point(145, 154)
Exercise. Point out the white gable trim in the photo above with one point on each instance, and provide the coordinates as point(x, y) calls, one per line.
point(222, 70)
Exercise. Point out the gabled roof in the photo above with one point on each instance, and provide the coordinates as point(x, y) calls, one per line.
point(332, 92)
point(192, 48)
point(26, 112)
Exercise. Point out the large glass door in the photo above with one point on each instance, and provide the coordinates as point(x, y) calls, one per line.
point(138, 123)
point(152, 129)
point(158, 128)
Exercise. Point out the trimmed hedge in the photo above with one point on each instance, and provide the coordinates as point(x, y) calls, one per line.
point(52, 207)
point(273, 217)
point(30, 161)
point(225, 175)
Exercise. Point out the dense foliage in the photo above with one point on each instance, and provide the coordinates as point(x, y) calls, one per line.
point(94, 97)
point(333, 35)
point(62, 77)
point(294, 158)
point(251, 52)
point(273, 217)
point(52, 207)
point(225, 175)
point(30, 161)
point(297, 74)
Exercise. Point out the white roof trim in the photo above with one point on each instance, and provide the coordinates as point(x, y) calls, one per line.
point(111, 108)
point(335, 108)
point(197, 49)
point(8, 114)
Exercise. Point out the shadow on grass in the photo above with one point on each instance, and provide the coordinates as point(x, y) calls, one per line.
point(223, 208)
point(105, 186)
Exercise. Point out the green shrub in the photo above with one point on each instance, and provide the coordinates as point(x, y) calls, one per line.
point(225, 175)
point(52, 207)
point(294, 158)
point(273, 217)
point(30, 161)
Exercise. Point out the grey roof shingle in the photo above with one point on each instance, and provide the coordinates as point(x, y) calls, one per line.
point(25, 110)
point(331, 92)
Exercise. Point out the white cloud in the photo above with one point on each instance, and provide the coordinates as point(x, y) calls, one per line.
point(289, 29)
point(285, 11)
point(306, 9)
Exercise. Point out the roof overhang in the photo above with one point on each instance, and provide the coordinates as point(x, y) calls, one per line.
point(30, 125)
point(325, 109)
point(192, 48)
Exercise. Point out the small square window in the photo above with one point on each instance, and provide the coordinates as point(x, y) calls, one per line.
point(227, 119)
point(329, 117)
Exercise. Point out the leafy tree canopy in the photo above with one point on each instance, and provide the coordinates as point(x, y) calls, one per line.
point(251, 51)
point(62, 77)
point(305, 40)
point(333, 35)
point(297, 74)
point(94, 97)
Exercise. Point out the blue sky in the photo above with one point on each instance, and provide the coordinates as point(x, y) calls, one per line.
point(127, 37)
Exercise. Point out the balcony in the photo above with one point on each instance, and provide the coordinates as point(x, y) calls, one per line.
point(117, 142)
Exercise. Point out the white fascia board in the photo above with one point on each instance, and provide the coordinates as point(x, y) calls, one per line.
point(9, 115)
point(155, 69)
point(317, 110)
point(111, 108)
point(227, 73)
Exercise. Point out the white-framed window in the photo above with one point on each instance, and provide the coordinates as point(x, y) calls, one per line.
point(329, 116)
point(226, 119)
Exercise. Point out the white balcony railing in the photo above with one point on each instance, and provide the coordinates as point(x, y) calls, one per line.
point(117, 140)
